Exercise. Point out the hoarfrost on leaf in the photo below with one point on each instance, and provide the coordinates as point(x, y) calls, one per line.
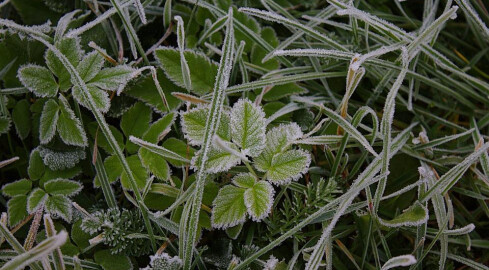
point(248, 127)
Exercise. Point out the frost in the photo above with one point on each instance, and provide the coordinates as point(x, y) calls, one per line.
point(271, 263)
point(181, 47)
point(259, 200)
point(403, 260)
point(48, 121)
point(90, 66)
point(461, 231)
point(164, 261)
point(193, 125)
point(229, 147)
point(218, 160)
point(38, 80)
point(69, 126)
point(229, 208)
point(415, 215)
point(140, 9)
point(288, 166)
point(60, 160)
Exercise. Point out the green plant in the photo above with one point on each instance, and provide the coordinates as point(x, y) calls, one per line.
point(265, 134)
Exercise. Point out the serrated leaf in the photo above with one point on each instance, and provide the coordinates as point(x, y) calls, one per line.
point(36, 165)
point(159, 128)
point(36, 199)
point(17, 209)
point(100, 97)
point(278, 139)
point(413, 216)
point(229, 207)
point(135, 122)
point(258, 200)
point(69, 127)
point(244, 180)
point(21, 117)
point(202, 70)
point(287, 166)
point(49, 121)
point(112, 78)
point(59, 206)
point(218, 160)
point(70, 47)
point(248, 127)
point(90, 66)
point(38, 80)
point(62, 187)
point(154, 163)
point(20, 187)
point(193, 125)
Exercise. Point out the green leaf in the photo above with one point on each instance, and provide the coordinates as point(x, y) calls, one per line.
point(179, 147)
point(110, 261)
point(278, 139)
point(248, 127)
point(62, 187)
point(49, 121)
point(258, 53)
point(79, 236)
point(38, 80)
point(218, 160)
point(36, 165)
point(135, 122)
point(4, 124)
point(17, 209)
point(139, 172)
point(112, 78)
point(398, 261)
point(193, 125)
point(90, 66)
point(36, 200)
point(229, 208)
point(280, 91)
point(159, 128)
point(100, 97)
point(59, 206)
point(113, 167)
point(69, 127)
point(203, 71)
point(258, 200)
point(102, 142)
point(70, 47)
point(413, 216)
point(287, 166)
point(21, 117)
point(20, 187)
point(154, 163)
point(244, 180)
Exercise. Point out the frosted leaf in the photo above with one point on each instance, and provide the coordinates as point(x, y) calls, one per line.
point(35, 200)
point(59, 206)
point(60, 160)
point(181, 47)
point(140, 9)
point(5, 123)
point(244, 180)
point(69, 126)
point(259, 200)
point(38, 80)
point(375, 53)
point(113, 78)
point(248, 127)
point(90, 66)
point(229, 208)
point(415, 215)
point(288, 166)
point(63, 24)
point(218, 160)
point(229, 147)
point(193, 125)
point(403, 260)
point(70, 48)
point(48, 121)
point(278, 139)
point(461, 231)
point(164, 261)
point(471, 13)
point(100, 98)
point(63, 187)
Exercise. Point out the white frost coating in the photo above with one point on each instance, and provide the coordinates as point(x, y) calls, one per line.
point(406, 222)
point(42, 83)
point(375, 53)
point(271, 263)
point(50, 120)
point(461, 231)
point(140, 9)
point(292, 172)
point(65, 134)
point(226, 146)
point(244, 180)
point(60, 160)
point(248, 126)
point(181, 47)
point(403, 260)
point(164, 261)
point(470, 12)
point(253, 196)
point(218, 160)
point(59, 206)
point(314, 52)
